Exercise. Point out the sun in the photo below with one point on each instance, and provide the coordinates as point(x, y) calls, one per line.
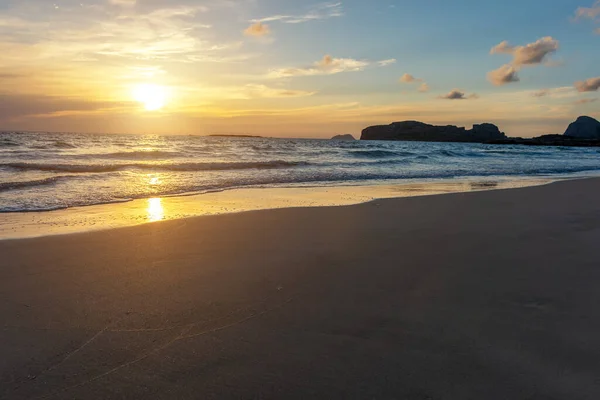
point(153, 97)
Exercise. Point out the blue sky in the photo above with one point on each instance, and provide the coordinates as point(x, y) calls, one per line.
point(291, 68)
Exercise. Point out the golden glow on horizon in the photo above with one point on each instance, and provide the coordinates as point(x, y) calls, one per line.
point(156, 212)
point(153, 97)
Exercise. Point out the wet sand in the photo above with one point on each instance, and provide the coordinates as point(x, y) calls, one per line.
point(486, 295)
point(142, 211)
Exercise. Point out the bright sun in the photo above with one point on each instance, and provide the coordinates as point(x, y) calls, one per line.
point(153, 97)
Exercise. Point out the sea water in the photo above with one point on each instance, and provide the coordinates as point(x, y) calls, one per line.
point(49, 171)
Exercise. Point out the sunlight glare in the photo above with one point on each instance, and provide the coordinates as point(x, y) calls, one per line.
point(156, 211)
point(153, 97)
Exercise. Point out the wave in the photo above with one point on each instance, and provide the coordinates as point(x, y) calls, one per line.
point(136, 155)
point(6, 142)
point(380, 153)
point(182, 167)
point(447, 153)
point(59, 144)
point(283, 180)
point(6, 186)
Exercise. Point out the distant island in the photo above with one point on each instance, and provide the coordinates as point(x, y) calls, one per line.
point(236, 136)
point(585, 131)
point(347, 137)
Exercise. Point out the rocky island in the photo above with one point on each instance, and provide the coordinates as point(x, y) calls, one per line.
point(584, 128)
point(585, 131)
point(419, 131)
point(347, 137)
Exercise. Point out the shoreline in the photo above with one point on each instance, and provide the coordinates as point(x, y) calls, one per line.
point(121, 214)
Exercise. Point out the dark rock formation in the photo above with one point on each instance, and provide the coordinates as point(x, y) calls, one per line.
point(584, 128)
point(343, 137)
point(550, 140)
point(419, 131)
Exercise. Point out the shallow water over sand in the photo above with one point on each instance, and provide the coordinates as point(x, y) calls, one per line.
point(107, 216)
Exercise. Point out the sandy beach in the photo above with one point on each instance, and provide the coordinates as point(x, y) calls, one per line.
point(482, 295)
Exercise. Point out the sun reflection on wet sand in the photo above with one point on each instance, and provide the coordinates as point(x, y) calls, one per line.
point(156, 212)
point(21, 225)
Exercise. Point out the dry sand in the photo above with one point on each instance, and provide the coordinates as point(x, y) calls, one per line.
point(489, 295)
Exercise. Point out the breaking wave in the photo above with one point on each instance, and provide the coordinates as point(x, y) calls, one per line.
point(6, 186)
point(99, 168)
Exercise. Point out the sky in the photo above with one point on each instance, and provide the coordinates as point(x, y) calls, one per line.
point(292, 68)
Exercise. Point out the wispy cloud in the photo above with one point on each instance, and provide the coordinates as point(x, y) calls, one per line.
point(119, 29)
point(588, 85)
point(410, 79)
point(423, 88)
point(385, 63)
point(592, 13)
point(563, 92)
point(318, 12)
point(585, 101)
point(328, 65)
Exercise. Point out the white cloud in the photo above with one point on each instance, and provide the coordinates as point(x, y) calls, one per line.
point(176, 33)
point(424, 87)
point(328, 65)
point(319, 12)
point(385, 63)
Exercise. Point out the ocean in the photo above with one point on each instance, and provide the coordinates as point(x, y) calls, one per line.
point(50, 171)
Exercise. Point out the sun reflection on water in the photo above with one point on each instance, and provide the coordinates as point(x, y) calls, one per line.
point(156, 212)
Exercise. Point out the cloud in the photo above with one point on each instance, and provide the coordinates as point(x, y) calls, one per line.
point(457, 94)
point(408, 78)
point(585, 101)
point(258, 30)
point(319, 12)
point(592, 12)
point(18, 106)
point(541, 93)
point(328, 65)
point(124, 3)
point(588, 85)
point(530, 54)
point(257, 91)
point(120, 30)
point(385, 63)
point(503, 75)
point(563, 92)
